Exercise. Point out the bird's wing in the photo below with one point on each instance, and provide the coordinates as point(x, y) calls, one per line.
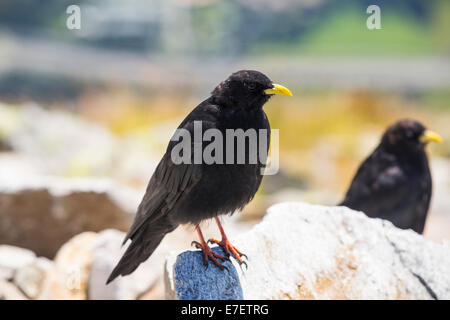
point(170, 181)
point(376, 181)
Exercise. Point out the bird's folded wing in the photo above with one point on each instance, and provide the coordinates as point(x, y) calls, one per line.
point(376, 187)
point(390, 180)
point(168, 183)
point(166, 186)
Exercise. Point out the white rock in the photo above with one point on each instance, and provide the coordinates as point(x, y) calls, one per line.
point(6, 273)
point(13, 258)
point(68, 278)
point(29, 280)
point(24, 269)
point(106, 255)
point(44, 264)
point(9, 292)
point(302, 251)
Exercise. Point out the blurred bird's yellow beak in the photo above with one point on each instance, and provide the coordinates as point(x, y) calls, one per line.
point(430, 136)
point(278, 89)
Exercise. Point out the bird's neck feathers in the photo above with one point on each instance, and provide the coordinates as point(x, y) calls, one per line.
point(238, 104)
point(404, 153)
point(224, 96)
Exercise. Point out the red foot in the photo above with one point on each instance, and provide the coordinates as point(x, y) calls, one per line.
point(209, 254)
point(230, 249)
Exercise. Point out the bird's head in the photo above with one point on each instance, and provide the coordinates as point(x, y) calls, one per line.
point(409, 136)
point(247, 89)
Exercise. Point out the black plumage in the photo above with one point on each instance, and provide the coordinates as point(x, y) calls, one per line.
point(394, 182)
point(189, 193)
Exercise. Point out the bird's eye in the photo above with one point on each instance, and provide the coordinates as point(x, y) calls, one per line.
point(409, 134)
point(251, 86)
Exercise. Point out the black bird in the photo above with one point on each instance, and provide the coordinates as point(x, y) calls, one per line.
point(189, 193)
point(394, 182)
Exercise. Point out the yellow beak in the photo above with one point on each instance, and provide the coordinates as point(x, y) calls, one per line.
point(278, 89)
point(429, 136)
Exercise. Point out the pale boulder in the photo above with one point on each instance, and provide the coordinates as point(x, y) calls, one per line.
point(10, 292)
point(41, 213)
point(13, 258)
point(68, 280)
point(301, 251)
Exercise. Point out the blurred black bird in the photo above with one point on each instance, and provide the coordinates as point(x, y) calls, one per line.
point(189, 193)
point(394, 182)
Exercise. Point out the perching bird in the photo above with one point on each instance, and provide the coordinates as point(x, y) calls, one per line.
point(394, 182)
point(190, 193)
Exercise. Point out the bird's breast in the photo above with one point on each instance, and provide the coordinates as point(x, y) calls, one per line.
point(222, 189)
point(230, 182)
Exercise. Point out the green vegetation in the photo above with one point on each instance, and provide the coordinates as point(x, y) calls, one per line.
point(344, 32)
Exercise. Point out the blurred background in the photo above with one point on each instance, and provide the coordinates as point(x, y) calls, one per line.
point(85, 115)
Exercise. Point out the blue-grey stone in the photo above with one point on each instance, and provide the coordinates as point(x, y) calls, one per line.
point(195, 281)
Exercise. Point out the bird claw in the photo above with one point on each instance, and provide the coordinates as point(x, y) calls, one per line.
point(197, 244)
point(208, 254)
point(229, 249)
point(243, 263)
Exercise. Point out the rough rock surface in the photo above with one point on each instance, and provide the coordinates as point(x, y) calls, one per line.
point(21, 271)
point(42, 213)
point(10, 292)
point(12, 259)
point(83, 264)
point(222, 285)
point(302, 251)
point(68, 280)
point(29, 280)
point(105, 255)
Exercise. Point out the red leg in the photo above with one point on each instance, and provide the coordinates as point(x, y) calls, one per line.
point(207, 252)
point(226, 245)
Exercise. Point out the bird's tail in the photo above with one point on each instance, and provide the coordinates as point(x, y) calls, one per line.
point(143, 244)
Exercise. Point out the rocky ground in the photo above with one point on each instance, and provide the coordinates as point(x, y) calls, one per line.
point(81, 266)
point(61, 237)
point(300, 251)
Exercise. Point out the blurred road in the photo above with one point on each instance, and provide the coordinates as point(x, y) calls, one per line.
point(88, 63)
